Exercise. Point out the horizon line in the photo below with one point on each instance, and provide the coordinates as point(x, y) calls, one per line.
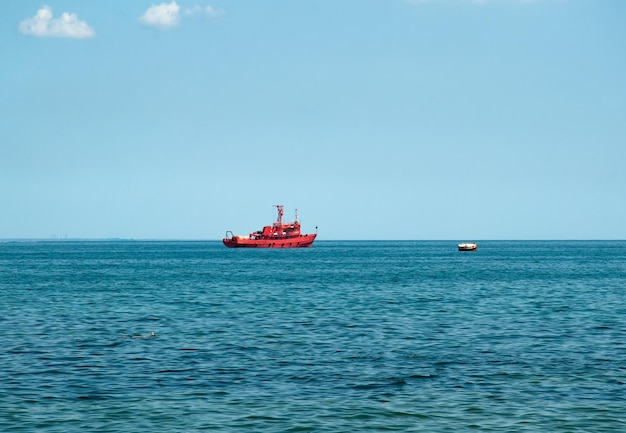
point(118, 239)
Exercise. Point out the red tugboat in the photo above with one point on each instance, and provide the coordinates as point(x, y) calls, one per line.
point(278, 235)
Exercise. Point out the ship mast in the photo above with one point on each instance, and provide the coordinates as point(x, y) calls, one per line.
point(279, 221)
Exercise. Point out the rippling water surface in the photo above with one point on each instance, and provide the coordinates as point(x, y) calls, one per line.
point(344, 336)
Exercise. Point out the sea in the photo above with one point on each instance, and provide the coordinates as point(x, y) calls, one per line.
point(345, 336)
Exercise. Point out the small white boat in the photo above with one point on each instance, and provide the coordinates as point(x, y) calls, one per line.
point(468, 246)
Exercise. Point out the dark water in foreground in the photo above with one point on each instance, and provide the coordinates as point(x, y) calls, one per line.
point(342, 337)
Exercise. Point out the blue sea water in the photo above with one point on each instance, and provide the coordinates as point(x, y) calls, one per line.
point(341, 337)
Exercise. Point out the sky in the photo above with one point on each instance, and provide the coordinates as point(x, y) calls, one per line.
point(377, 119)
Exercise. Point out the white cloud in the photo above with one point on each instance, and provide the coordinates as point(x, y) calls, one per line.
point(167, 15)
point(478, 2)
point(45, 25)
point(211, 11)
point(163, 16)
point(208, 10)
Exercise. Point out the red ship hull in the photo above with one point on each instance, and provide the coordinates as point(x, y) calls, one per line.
point(278, 235)
point(302, 241)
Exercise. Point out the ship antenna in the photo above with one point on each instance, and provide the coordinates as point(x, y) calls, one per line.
point(296, 215)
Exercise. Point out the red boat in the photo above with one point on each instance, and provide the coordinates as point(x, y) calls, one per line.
point(278, 235)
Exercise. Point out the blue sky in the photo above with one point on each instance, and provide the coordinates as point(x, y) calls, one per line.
point(377, 119)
